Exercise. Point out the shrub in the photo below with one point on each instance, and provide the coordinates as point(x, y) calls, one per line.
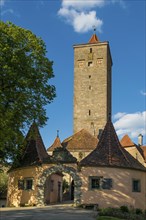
point(123, 213)
point(138, 211)
point(106, 212)
point(124, 208)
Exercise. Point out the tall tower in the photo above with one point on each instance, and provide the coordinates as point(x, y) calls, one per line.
point(92, 85)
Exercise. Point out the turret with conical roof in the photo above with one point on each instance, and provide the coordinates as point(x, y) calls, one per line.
point(110, 153)
point(34, 151)
point(60, 154)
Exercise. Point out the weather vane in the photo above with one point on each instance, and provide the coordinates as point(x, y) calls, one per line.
point(57, 133)
point(94, 28)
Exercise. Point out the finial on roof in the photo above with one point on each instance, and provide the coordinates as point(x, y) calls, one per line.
point(94, 28)
point(94, 38)
point(57, 133)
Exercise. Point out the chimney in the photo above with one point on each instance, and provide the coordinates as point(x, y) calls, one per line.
point(140, 139)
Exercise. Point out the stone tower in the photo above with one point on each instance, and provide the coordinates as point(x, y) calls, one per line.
point(92, 85)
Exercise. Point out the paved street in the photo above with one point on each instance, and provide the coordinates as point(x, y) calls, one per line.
point(55, 212)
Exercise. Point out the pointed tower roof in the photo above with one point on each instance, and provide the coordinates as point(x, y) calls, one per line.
point(57, 143)
point(94, 39)
point(110, 153)
point(126, 141)
point(60, 153)
point(34, 151)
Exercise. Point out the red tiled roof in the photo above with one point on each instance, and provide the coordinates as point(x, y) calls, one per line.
point(57, 143)
point(110, 153)
point(144, 151)
point(126, 141)
point(81, 140)
point(34, 151)
point(93, 39)
point(60, 153)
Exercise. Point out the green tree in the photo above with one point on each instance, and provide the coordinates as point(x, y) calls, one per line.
point(24, 85)
point(3, 181)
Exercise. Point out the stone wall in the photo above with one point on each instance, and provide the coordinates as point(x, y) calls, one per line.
point(63, 169)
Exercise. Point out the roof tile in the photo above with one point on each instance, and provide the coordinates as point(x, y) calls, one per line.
point(94, 39)
point(126, 141)
point(110, 153)
point(81, 140)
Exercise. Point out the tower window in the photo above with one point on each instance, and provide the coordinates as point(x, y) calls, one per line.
point(81, 63)
point(89, 76)
point(90, 50)
point(99, 61)
point(92, 124)
point(90, 63)
point(90, 87)
point(89, 112)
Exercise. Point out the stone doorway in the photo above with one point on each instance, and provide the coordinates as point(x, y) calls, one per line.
point(59, 169)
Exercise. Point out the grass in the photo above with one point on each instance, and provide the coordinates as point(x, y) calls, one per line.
point(108, 218)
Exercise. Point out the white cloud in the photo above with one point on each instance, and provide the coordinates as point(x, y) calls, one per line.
point(143, 93)
point(132, 124)
point(85, 22)
point(83, 5)
point(118, 115)
point(81, 21)
point(80, 13)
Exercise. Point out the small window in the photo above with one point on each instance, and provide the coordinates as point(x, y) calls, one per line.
point(106, 183)
point(90, 63)
point(89, 76)
point(92, 125)
point(89, 112)
point(80, 64)
point(26, 184)
point(94, 182)
point(99, 61)
point(90, 50)
point(20, 184)
point(136, 187)
point(29, 184)
point(90, 87)
point(97, 182)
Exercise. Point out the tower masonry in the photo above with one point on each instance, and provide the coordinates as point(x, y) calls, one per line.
point(92, 85)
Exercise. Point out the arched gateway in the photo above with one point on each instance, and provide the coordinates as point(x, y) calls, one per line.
point(59, 168)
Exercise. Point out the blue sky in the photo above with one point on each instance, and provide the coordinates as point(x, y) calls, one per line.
point(61, 24)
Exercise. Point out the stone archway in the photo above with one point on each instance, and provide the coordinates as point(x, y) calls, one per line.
point(59, 168)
